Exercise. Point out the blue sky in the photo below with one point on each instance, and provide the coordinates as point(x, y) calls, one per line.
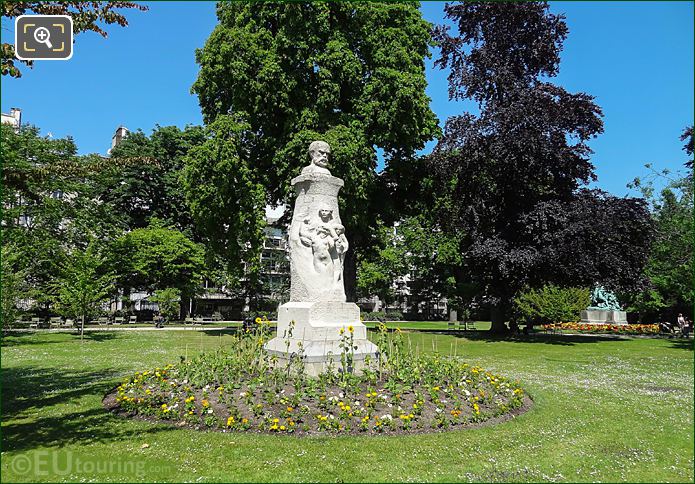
point(636, 58)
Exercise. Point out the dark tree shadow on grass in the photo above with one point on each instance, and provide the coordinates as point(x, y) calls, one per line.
point(36, 404)
point(94, 425)
point(40, 338)
point(551, 339)
point(682, 344)
point(25, 338)
point(30, 389)
point(98, 335)
point(217, 332)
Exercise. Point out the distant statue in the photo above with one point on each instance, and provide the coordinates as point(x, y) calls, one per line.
point(601, 298)
point(319, 151)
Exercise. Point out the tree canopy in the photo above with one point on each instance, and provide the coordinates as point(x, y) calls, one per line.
point(509, 178)
point(140, 192)
point(157, 257)
point(352, 74)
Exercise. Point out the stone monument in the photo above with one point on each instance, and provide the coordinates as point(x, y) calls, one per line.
point(604, 309)
point(317, 319)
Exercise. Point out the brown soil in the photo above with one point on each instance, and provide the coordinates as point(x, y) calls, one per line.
point(221, 411)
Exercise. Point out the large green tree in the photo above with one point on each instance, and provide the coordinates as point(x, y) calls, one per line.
point(510, 176)
point(350, 73)
point(155, 258)
point(140, 192)
point(83, 284)
point(49, 205)
point(670, 266)
point(413, 258)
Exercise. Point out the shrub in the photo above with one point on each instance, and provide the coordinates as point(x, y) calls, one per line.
point(551, 304)
point(269, 315)
point(168, 302)
point(394, 316)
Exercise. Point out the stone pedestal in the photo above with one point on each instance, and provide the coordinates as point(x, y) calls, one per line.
point(317, 327)
point(603, 316)
point(318, 244)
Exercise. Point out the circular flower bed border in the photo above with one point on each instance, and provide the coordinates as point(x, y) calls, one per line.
point(241, 388)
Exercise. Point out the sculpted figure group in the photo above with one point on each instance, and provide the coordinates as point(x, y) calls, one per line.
point(317, 236)
point(328, 243)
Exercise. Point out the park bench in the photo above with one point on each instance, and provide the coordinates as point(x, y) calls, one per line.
point(133, 319)
point(56, 322)
point(103, 321)
point(36, 323)
point(118, 320)
point(68, 323)
point(464, 325)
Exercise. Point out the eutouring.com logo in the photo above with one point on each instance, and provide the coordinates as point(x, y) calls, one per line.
point(45, 463)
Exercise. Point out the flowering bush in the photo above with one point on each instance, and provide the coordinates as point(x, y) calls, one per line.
point(605, 328)
point(241, 388)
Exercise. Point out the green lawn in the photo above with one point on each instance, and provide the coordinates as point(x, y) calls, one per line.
point(605, 410)
point(426, 325)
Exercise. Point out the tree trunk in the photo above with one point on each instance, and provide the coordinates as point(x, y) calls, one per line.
point(350, 276)
point(82, 327)
point(183, 306)
point(498, 316)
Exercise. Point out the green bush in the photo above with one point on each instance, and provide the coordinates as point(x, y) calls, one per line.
point(394, 316)
point(168, 302)
point(551, 304)
point(270, 315)
point(382, 316)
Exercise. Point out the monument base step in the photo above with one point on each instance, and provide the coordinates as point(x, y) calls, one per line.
point(603, 316)
point(320, 332)
point(318, 356)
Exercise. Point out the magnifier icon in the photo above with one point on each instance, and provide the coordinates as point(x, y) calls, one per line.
point(43, 36)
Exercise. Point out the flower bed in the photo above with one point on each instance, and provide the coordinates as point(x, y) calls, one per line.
point(605, 328)
point(241, 388)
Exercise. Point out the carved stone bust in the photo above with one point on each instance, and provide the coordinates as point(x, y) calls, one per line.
point(319, 151)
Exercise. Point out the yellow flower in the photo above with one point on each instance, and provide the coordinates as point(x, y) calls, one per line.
point(289, 409)
point(351, 329)
point(230, 421)
point(244, 420)
point(342, 330)
point(276, 420)
point(258, 320)
point(282, 427)
point(206, 403)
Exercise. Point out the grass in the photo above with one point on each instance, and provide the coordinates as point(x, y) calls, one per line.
point(425, 325)
point(605, 410)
